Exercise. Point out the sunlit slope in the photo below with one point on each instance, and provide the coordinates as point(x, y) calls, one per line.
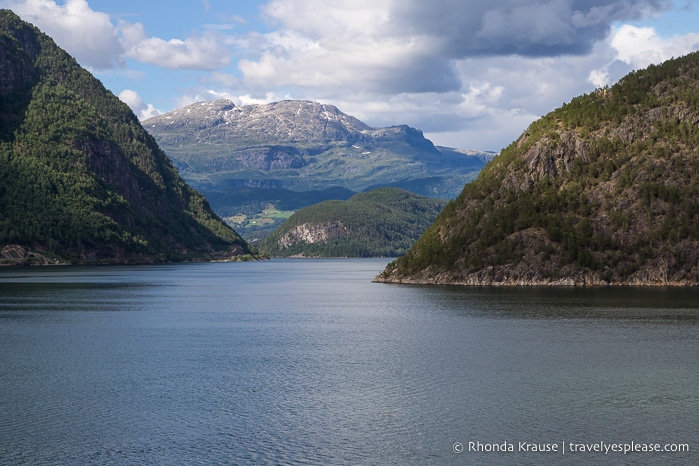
point(80, 180)
point(604, 190)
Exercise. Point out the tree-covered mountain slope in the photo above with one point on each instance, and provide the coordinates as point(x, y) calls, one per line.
point(379, 223)
point(604, 190)
point(242, 157)
point(80, 180)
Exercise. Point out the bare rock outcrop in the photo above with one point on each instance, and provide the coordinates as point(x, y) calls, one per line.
point(312, 233)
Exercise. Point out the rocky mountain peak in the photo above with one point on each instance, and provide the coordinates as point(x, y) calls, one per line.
point(282, 122)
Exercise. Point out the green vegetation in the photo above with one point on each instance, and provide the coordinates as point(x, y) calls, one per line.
point(259, 225)
point(604, 189)
point(80, 180)
point(241, 206)
point(383, 222)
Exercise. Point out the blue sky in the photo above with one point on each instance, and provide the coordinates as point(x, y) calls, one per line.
point(470, 74)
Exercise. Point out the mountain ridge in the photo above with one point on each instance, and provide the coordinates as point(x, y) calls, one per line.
point(602, 191)
point(222, 144)
point(227, 151)
point(277, 123)
point(82, 182)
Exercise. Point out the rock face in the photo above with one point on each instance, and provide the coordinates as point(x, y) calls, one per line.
point(603, 191)
point(14, 254)
point(80, 180)
point(312, 233)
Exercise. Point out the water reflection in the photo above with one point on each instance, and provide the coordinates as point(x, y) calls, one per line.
point(679, 304)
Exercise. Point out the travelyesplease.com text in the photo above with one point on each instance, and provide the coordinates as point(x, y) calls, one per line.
point(569, 447)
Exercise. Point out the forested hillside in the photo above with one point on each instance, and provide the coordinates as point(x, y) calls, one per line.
point(604, 190)
point(379, 223)
point(80, 180)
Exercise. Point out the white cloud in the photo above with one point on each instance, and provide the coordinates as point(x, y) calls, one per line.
point(92, 38)
point(449, 67)
point(203, 52)
point(642, 46)
point(344, 46)
point(634, 47)
point(599, 78)
point(142, 110)
point(469, 73)
point(149, 112)
point(86, 34)
point(319, 19)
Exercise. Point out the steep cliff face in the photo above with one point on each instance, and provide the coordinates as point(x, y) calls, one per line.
point(15, 71)
point(80, 179)
point(604, 190)
point(312, 233)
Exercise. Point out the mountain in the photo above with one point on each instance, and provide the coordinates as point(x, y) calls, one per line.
point(80, 180)
point(378, 223)
point(231, 153)
point(602, 191)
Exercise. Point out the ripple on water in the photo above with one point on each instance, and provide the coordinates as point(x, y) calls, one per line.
point(303, 362)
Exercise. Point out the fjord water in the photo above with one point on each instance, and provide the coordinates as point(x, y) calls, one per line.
point(308, 362)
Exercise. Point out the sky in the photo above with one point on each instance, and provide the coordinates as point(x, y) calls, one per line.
point(470, 74)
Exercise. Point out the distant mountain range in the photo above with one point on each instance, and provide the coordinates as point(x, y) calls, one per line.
point(602, 191)
point(383, 222)
point(246, 158)
point(80, 180)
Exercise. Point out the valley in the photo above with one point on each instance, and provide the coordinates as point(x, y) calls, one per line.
point(294, 154)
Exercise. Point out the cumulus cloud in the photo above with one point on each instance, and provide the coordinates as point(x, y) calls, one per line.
point(86, 34)
point(327, 65)
point(142, 110)
point(484, 69)
point(469, 69)
point(633, 48)
point(339, 45)
point(410, 46)
point(524, 27)
point(599, 78)
point(96, 42)
point(639, 47)
point(203, 52)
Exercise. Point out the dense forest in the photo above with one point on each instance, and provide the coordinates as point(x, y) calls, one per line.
point(380, 223)
point(80, 180)
point(604, 190)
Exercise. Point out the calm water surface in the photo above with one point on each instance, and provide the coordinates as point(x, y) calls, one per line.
point(307, 362)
